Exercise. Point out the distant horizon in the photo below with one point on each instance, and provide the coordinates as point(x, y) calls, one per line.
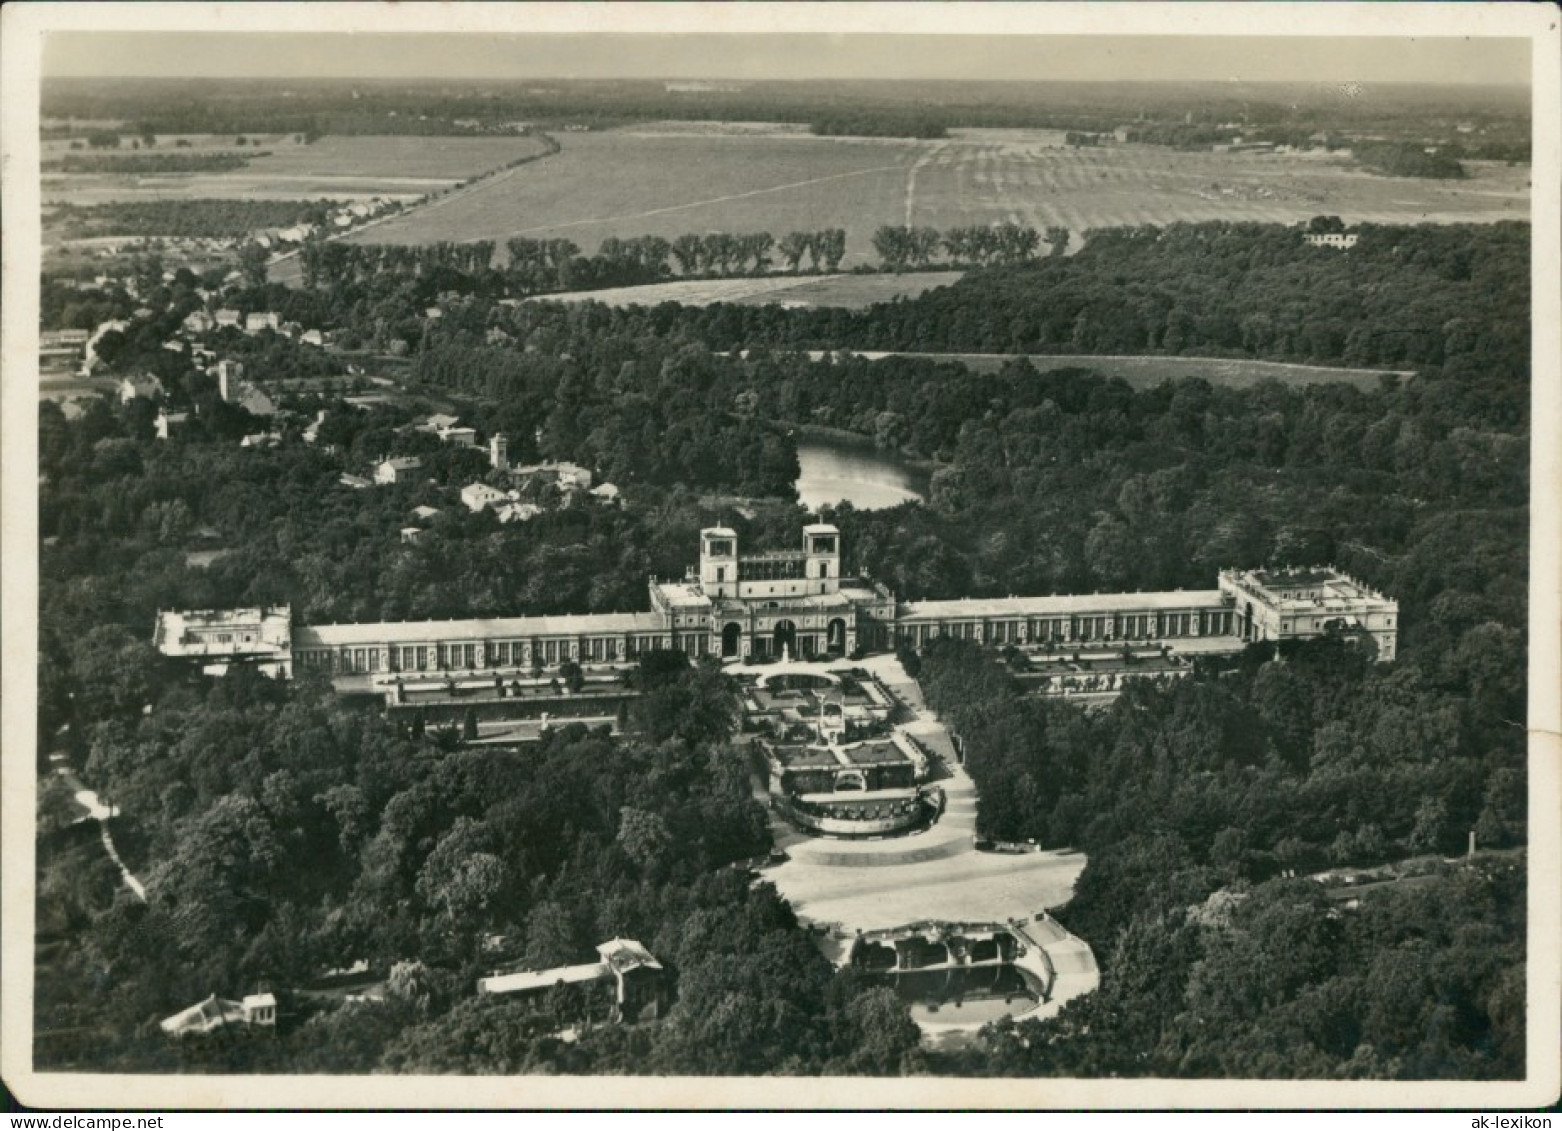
point(512, 79)
point(789, 57)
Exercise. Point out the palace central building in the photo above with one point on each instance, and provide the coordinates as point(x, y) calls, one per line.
point(791, 602)
point(797, 603)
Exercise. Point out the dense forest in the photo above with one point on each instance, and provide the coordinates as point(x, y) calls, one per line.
point(1194, 802)
point(320, 836)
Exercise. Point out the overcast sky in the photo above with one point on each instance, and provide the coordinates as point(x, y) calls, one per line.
point(777, 56)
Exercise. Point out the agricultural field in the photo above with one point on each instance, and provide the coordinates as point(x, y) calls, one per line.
point(333, 167)
point(851, 291)
point(667, 181)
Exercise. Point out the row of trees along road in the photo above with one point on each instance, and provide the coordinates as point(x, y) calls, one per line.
point(539, 266)
point(972, 245)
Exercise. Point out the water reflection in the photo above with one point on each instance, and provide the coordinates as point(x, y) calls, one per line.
point(837, 469)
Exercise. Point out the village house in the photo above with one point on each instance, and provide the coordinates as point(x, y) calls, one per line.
point(517, 512)
point(167, 421)
point(449, 430)
point(254, 402)
point(479, 496)
point(143, 385)
point(399, 469)
point(567, 476)
point(215, 1013)
point(198, 322)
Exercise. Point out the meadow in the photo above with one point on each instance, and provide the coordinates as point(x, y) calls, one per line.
point(666, 182)
point(1146, 372)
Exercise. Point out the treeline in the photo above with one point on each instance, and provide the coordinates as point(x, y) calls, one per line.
point(542, 266)
point(973, 245)
point(1403, 159)
point(1177, 135)
point(203, 218)
point(880, 122)
point(150, 162)
point(1193, 800)
point(329, 264)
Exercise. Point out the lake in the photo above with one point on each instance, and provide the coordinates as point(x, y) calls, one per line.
point(839, 469)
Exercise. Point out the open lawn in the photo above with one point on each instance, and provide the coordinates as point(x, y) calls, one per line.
point(667, 182)
point(1147, 372)
point(333, 167)
point(1143, 372)
point(853, 291)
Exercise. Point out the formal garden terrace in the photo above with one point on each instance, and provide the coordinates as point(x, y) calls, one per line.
point(1099, 673)
point(502, 708)
point(958, 976)
point(833, 762)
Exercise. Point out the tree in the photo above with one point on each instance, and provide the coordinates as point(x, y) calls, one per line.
point(252, 262)
point(892, 245)
point(689, 251)
point(644, 838)
point(831, 244)
point(884, 1039)
point(793, 246)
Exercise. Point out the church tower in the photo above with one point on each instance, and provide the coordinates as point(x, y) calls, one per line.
point(822, 557)
point(719, 562)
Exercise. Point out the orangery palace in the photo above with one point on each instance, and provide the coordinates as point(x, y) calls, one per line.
point(795, 603)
